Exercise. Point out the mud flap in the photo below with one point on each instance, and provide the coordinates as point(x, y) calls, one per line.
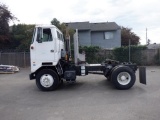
point(142, 75)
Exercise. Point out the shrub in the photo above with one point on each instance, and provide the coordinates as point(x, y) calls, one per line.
point(136, 56)
point(91, 53)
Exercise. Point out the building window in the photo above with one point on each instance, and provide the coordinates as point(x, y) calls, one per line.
point(108, 35)
point(47, 35)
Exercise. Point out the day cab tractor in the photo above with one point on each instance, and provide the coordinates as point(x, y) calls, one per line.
point(51, 64)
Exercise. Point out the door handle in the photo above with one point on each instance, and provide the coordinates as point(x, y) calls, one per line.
point(52, 50)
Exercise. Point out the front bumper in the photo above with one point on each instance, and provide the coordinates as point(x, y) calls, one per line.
point(32, 76)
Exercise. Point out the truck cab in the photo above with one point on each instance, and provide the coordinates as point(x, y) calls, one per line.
point(46, 47)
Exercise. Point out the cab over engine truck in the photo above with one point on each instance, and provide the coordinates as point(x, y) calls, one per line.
point(50, 63)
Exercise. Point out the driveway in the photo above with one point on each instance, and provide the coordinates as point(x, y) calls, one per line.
point(91, 98)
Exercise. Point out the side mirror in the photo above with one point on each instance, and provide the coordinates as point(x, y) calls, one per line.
point(39, 40)
point(40, 35)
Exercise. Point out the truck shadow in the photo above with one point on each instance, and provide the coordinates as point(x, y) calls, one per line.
point(70, 86)
point(87, 85)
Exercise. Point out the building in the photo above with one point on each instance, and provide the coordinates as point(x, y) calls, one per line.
point(153, 46)
point(106, 35)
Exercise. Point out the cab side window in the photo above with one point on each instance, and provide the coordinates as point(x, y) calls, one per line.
point(44, 35)
point(60, 36)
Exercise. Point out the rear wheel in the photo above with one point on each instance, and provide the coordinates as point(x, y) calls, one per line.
point(123, 77)
point(47, 80)
point(109, 78)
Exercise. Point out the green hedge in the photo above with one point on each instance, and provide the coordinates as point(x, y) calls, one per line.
point(95, 54)
point(91, 53)
point(136, 56)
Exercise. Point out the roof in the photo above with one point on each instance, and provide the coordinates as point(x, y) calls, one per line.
point(153, 46)
point(79, 25)
point(104, 26)
point(93, 26)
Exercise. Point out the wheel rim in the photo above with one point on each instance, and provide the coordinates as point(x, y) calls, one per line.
point(46, 80)
point(124, 78)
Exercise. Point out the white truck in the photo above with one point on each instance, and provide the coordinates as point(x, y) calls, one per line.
point(50, 63)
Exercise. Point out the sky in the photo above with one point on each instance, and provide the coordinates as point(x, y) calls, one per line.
point(135, 14)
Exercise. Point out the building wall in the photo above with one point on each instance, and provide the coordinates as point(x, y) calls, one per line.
point(97, 39)
point(84, 38)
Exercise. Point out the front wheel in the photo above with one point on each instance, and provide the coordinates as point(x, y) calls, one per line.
point(47, 80)
point(123, 77)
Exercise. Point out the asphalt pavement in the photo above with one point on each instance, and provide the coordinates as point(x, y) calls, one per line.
point(91, 98)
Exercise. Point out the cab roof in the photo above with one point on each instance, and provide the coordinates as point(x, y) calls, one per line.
point(46, 26)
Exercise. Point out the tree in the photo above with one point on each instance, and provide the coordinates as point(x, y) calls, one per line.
point(148, 41)
point(126, 35)
point(21, 36)
point(5, 17)
point(56, 23)
point(63, 27)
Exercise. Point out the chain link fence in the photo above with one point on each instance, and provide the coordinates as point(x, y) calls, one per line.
point(20, 59)
point(140, 57)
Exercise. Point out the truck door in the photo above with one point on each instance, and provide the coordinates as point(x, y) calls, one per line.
point(45, 46)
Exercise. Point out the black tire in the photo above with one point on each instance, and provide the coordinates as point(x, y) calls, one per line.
point(109, 78)
point(60, 82)
point(123, 77)
point(51, 77)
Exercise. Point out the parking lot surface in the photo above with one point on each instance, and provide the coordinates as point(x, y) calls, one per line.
point(91, 98)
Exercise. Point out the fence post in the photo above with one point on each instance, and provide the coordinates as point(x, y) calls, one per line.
point(159, 55)
point(24, 59)
point(129, 54)
point(0, 57)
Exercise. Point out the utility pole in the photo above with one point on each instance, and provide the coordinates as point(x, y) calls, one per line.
point(146, 37)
